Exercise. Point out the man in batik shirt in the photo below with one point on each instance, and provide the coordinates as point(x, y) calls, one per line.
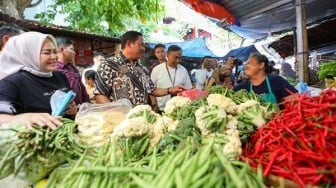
point(124, 77)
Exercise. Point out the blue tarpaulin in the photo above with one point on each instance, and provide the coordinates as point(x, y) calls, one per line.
point(191, 48)
point(241, 53)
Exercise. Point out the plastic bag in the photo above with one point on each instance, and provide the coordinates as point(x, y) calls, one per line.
point(97, 121)
point(60, 100)
point(303, 88)
point(193, 94)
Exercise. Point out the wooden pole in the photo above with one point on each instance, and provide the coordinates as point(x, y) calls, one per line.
point(301, 41)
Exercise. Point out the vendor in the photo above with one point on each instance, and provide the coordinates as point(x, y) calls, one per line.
point(28, 79)
point(272, 88)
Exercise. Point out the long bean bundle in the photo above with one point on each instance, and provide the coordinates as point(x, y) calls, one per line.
point(208, 166)
point(33, 153)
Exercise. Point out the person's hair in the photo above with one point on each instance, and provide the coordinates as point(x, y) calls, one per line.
point(159, 45)
point(131, 36)
point(63, 41)
point(205, 57)
point(97, 53)
point(90, 74)
point(9, 29)
point(174, 48)
point(262, 59)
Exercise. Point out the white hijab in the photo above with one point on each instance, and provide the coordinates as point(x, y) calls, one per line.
point(22, 52)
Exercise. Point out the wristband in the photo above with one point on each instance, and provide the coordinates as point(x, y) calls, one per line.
point(168, 90)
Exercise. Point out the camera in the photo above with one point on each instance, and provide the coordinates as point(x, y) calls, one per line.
point(237, 62)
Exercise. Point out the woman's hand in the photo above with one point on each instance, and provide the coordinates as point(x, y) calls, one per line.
point(40, 119)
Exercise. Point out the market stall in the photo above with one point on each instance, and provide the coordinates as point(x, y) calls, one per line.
point(219, 139)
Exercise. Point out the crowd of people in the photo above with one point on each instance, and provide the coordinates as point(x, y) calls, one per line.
point(34, 65)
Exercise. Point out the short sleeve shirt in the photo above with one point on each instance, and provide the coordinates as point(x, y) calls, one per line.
point(118, 78)
point(164, 76)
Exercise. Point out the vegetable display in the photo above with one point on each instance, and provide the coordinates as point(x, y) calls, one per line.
point(33, 154)
point(182, 167)
point(300, 142)
point(327, 69)
point(193, 143)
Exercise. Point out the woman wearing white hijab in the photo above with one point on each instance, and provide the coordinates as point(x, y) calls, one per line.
point(28, 79)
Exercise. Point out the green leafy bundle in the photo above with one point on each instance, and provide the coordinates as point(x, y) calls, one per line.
point(327, 69)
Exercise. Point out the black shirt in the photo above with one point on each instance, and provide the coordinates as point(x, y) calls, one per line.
point(24, 92)
point(279, 87)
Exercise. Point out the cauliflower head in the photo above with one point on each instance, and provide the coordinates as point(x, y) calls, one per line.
point(137, 126)
point(223, 102)
point(176, 103)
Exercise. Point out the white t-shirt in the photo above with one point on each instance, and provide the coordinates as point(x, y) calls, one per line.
point(201, 76)
point(162, 79)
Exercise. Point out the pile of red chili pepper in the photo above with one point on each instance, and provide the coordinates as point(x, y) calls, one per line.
point(299, 143)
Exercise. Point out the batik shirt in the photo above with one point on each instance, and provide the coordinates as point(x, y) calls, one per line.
point(118, 78)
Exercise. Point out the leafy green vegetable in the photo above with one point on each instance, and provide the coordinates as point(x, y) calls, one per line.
point(189, 111)
point(218, 89)
point(327, 69)
point(185, 128)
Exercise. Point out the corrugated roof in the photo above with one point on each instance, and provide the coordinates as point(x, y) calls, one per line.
point(55, 30)
point(258, 18)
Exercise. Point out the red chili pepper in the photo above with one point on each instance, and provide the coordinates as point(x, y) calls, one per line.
point(299, 143)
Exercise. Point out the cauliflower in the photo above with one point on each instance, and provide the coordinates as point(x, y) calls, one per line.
point(223, 102)
point(211, 119)
point(143, 111)
point(241, 107)
point(252, 115)
point(132, 127)
point(233, 147)
point(156, 132)
point(232, 122)
point(175, 104)
point(137, 109)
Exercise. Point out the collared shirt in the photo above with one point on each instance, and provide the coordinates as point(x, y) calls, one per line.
point(74, 79)
point(118, 78)
point(164, 76)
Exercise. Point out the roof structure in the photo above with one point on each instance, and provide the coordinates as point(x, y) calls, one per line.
point(242, 53)
point(55, 30)
point(259, 19)
point(320, 36)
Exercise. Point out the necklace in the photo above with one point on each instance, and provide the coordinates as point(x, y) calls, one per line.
point(170, 77)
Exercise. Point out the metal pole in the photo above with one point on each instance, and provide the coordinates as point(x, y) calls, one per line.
point(302, 41)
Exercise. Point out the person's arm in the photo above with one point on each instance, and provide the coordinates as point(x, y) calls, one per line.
point(100, 99)
point(159, 92)
point(30, 119)
point(153, 103)
point(209, 84)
